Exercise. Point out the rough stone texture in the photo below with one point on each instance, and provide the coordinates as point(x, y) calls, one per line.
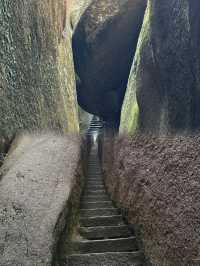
point(103, 45)
point(37, 179)
point(37, 81)
point(77, 10)
point(156, 180)
point(84, 120)
point(163, 92)
point(109, 258)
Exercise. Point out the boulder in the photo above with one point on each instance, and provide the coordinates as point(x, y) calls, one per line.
point(77, 10)
point(155, 181)
point(37, 81)
point(103, 45)
point(36, 186)
point(163, 92)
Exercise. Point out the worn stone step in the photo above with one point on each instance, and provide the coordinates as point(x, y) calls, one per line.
point(94, 173)
point(95, 127)
point(95, 198)
point(98, 212)
point(105, 259)
point(105, 245)
point(96, 192)
point(110, 220)
point(96, 178)
point(94, 187)
point(96, 204)
point(95, 183)
point(105, 232)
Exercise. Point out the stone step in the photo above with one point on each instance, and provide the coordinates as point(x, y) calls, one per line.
point(94, 187)
point(95, 178)
point(105, 232)
point(96, 172)
point(95, 175)
point(98, 212)
point(95, 182)
point(96, 192)
point(96, 204)
point(105, 245)
point(95, 126)
point(95, 198)
point(105, 259)
point(111, 220)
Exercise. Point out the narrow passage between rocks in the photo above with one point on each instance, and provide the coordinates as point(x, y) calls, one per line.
point(105, 239)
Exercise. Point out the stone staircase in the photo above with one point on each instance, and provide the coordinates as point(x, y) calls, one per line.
point(104, 237)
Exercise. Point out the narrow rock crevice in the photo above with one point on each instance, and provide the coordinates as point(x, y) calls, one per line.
point(101, 235)
point(5, 144)
point(69, 218)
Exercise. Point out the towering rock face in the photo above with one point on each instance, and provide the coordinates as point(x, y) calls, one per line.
point(103, 45)
point(37, 81)
point(164, 89)
point(77, 9)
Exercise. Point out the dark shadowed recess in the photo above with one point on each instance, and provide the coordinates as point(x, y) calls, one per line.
point(103, 60)
point(5, 144)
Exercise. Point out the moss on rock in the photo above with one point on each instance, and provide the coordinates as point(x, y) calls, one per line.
point(165, 75)
point(37, 82)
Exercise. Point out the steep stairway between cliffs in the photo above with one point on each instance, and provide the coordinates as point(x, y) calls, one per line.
point(105, 239)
